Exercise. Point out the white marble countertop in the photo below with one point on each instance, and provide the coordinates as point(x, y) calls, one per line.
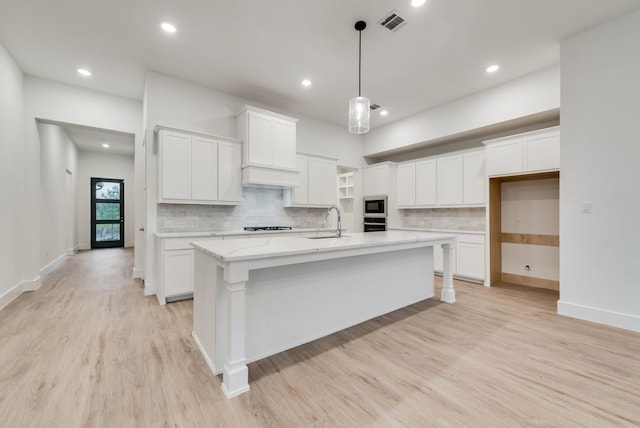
point(424, 229)
point(262, 248)
point(238, 232)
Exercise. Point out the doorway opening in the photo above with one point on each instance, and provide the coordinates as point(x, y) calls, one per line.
point(107, 213)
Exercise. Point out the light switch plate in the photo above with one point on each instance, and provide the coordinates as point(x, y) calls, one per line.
point(586, 208)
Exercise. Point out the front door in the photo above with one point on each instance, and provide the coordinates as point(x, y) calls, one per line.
point(107, 213)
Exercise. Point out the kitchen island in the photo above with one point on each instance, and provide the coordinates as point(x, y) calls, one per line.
point(255, 298)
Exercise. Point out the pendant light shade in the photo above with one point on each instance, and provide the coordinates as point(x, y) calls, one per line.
point(359, 115)
point(359, 112)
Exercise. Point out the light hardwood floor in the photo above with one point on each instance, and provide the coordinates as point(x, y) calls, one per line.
point(88, 349)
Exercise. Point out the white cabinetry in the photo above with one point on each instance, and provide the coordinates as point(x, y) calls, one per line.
point(345, 185)
point(195, 169)
point(406, 183)
point(449, 180)
point(416, 184)
point(446, 181)
point(379, 179)
point(316, 183)
point(535, 151)
point(269, 155)
point(426, 183)
point(474, 178)
point(469, 257)
point(175, 268)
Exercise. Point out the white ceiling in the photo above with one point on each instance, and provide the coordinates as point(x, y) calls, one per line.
point(91, 139)
point(261, 50)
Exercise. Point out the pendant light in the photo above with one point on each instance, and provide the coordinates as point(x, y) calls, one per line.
point(359, 106)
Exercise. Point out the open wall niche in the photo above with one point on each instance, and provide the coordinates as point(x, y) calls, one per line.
point(523, 216)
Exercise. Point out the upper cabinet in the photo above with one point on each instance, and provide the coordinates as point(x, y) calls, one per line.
point(444, 181)
point(536, 151)
point(269, 141)
point(316, 183)
point(379, 179)
point(197, 169)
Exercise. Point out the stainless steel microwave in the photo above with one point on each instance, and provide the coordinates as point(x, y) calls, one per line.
point(375, 206)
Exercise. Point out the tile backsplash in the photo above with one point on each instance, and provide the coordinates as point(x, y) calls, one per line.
point(446, 218)
point(260, 207)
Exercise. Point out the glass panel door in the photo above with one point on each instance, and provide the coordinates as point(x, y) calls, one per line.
point(107, 213)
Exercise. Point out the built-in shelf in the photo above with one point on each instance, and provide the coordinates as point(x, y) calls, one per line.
point(345, 185)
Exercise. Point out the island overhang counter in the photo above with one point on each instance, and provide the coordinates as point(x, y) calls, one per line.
point(255, 298)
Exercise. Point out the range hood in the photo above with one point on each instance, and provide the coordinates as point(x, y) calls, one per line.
point(268, 148)
point(269, 176)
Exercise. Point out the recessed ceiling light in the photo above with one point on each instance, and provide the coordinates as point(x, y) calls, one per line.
point(306, 83)
point(493, 68)
point(169, 28)
point(417, 3)
point(105, 145)
point(84, 72)
point(383, 112)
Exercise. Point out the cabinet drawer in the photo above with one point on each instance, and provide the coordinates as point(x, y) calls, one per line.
point(177, 244)
point(470, 239)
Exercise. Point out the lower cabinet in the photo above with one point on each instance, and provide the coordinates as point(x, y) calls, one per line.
point(468, 261)
point(175, 268)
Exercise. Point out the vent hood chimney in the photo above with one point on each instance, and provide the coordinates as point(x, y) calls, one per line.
point(268, 148)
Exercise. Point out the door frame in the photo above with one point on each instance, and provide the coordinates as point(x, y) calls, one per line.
point(94, 221)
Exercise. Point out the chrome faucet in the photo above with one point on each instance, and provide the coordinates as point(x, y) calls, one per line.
point(339, 227)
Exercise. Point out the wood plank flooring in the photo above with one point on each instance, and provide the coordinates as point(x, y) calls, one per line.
point(89, 350)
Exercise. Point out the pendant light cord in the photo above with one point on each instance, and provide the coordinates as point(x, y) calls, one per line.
point(359, 63)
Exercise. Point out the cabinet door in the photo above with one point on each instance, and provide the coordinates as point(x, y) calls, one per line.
point(175, 166)
point(229, 172)
point(470, 260)
point(178, 272)
point(449, 181)
point(204, 169)
point(259, 139)
point(504, 157)
point(426, 179)
point(322, 182)
point(474, 178)
point(376, 180)
point(300, 194)
point(284, 143)
point(542, 151)
point(406, 183)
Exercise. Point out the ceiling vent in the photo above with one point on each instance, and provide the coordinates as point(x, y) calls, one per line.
point(393, 21)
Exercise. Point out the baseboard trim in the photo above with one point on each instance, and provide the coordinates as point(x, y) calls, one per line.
point(53, 265)
point(600, 316)
point(10, 295)
point(149, 289)
point(13, 293)
point(32, 285)
point(138, 273)
point(72, 251)
point(531, 281)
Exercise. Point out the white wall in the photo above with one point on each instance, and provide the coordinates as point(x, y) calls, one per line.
point(103, 165)
point(173, 102)
point(57, 102)
point(11, 174)
point(600, 155)
point(58, 180)
point(533, 94)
